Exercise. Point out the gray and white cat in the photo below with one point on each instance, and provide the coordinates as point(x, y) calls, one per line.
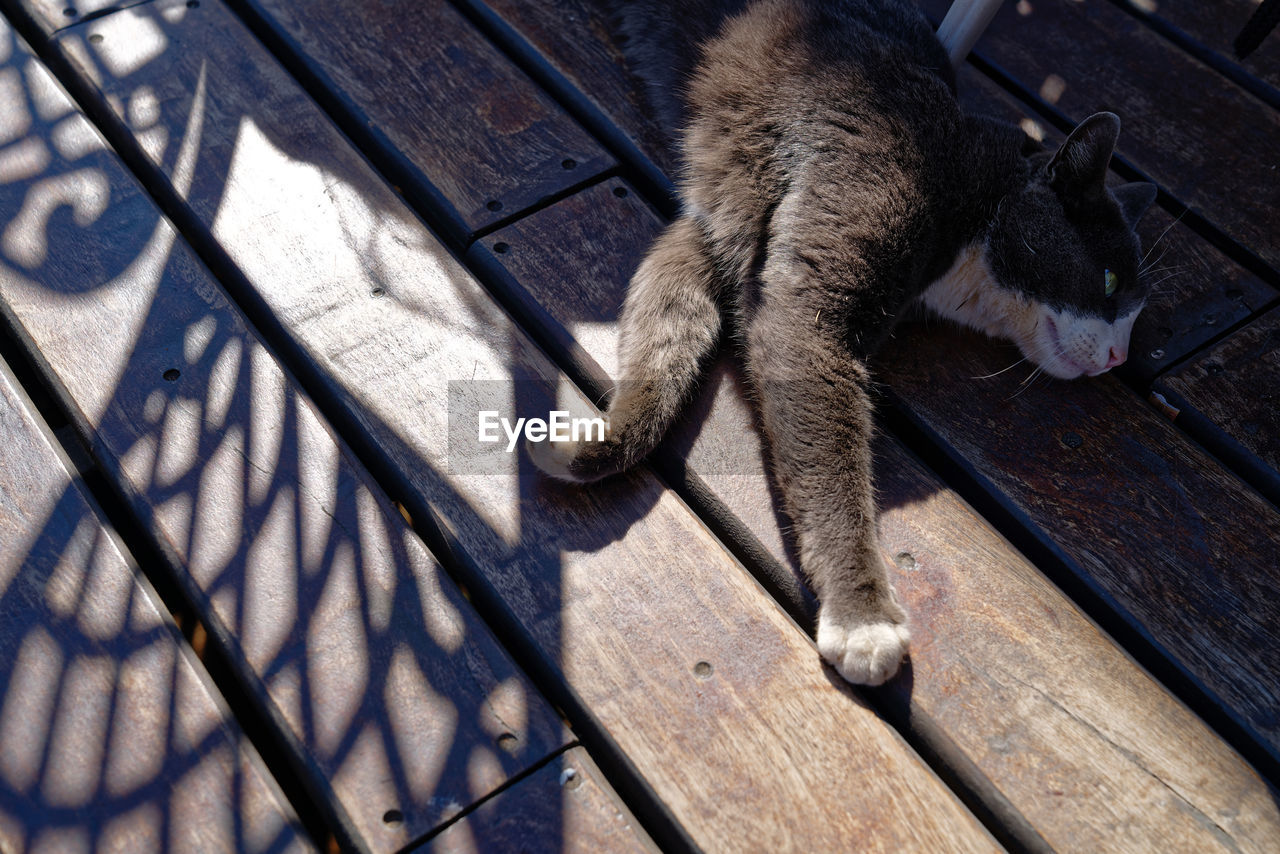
point(830, 183)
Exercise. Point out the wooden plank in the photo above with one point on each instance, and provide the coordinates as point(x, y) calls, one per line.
point(1234, 389)
point(1213, 28)
point(1198, 291)
point(571, 39)
point(566, 807)
point(620, 592)
point(1205, 140)
point(388, 689)
point(53, 15)
point(112, 737)
point(1096, 474)
point(1088, 748)
point(434, 93)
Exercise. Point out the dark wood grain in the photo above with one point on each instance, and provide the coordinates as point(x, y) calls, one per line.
point(112, 737)
point(1213, 27)
point(620, 592)
point(1203, 139)
point(573, 40)
point(1235, 387)
point(385, 685)
point(1083, 744)
point(1197, 291)
point(1180, 548)
point(441, 97)
point(566, 807)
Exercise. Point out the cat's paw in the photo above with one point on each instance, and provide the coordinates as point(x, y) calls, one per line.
point(864, 653)
point(556, 459)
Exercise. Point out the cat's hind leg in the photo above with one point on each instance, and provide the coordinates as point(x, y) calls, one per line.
point(816, 410)
point(670, 327)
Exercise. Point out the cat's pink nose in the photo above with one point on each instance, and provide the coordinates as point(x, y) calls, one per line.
point(1117, 357)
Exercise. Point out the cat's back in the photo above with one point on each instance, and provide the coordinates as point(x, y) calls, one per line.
point(688, 49)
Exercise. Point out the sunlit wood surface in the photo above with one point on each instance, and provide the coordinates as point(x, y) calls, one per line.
point(262, 588)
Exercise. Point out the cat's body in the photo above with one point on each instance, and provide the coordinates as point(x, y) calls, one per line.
point(830, 182)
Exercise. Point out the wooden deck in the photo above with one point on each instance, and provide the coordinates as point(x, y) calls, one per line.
point(261, 264)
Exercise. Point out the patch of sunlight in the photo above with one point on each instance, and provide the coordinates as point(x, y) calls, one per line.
point(179, 441)
point(197, 336)
point(126, 41)
point(77, 742)
point(46, 95)
point(268, 411)
point(1052, 88)
point(600, 339)
point(337, 654)
point(319, 461)
point(509, 708)
point(143, 111)
point(204, 783)
point(423, 723)
point(107, 591)
point(15, 118)
point(85, 191)
point(24, 160)
point(1032, 128)
point(484, 771)
point(1151, 6)
point(74, 138)
point(122, 832)
point(223, 388)
point(285, 688)
point(441, 619)
point(136, 748)
point(270, 587)
point(29, 702)
point(64, 590)
point(219, 524)
point(378, 569)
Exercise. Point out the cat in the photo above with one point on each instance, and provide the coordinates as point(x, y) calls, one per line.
point(830, 183)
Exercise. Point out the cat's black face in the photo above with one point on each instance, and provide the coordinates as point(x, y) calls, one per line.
point(1065, 245)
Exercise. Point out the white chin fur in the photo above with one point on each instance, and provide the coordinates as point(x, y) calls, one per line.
point(1066, 345)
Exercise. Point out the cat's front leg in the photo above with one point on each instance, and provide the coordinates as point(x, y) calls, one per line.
point(817, 414)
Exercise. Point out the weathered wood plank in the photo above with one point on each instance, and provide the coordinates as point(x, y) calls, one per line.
point(386, 686)
point(1097, 474)
point(573, 39)
point(53, 15)
point(1198, 291)
point(620, 592)
point(1205, 140)
point(566, 807)
point(1235, 388)
point(112, 738)
point(432, 90)
point(1092, 752)
point(1213, 27)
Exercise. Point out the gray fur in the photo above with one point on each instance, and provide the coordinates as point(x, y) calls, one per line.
point(830, 180)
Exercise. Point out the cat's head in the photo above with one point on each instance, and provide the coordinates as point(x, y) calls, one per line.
point(1064, 252)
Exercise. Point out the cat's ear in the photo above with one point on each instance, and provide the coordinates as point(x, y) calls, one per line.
point(1080, 166)
point(1134, 199)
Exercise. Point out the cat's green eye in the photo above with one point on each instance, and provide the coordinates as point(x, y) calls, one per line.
point(1112, 281)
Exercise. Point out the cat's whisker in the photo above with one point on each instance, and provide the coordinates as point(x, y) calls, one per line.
point(1002, 370)
point(1176, 220)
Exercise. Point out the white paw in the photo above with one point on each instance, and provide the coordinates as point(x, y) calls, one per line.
point(554, 458)
point(864, 653)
